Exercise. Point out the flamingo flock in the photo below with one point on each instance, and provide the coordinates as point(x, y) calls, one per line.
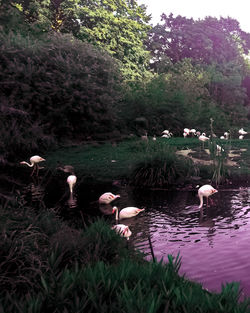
point(205, 191)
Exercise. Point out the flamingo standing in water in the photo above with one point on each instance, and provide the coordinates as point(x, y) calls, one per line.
point(126, 212)
point(107, 197)
point(71, 180)
point(205, 191)
point(122, 230)
point(34, 160)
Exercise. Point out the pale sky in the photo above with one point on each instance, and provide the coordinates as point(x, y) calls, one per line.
point(237, 9)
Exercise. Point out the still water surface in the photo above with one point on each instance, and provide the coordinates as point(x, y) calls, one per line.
point(214, 243)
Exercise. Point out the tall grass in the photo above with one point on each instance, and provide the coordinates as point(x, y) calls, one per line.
point(161, 166)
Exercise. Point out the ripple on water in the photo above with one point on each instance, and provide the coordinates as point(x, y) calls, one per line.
point(213, 242)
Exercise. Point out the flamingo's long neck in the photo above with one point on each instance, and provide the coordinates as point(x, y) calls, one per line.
point(71, 188)
point(117, 214)
point(30, 165)
point(201, 201)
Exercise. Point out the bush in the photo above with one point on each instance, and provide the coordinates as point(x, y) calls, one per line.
point(66, 86)
point(161, 167)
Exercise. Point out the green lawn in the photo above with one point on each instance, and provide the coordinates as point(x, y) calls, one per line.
point(105, 161)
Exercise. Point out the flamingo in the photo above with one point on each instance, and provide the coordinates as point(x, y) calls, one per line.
point(203, 138)
point(126, 212)
point(145, 137)
point(193, 131)
point(34, 160)
point(205, 191)
point(166, 132)
point(122, 230)
point(107, 197)
point(242, 132)
point(71, 180)
point(219, 148)
point(226, 134)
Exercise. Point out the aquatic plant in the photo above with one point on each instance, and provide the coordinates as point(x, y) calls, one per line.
point(161, 167)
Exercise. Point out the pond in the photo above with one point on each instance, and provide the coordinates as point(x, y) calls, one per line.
point(213, 242)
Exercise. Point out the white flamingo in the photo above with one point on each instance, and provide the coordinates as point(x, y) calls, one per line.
point(145, 137)
point(193, 131)
point(126, 212)
point(107, 198)
point(203, 138)
point(205, 191)
point(34, 160)
point(122, 230)
point(166, 132)
point(71, 180)
point(242, 132)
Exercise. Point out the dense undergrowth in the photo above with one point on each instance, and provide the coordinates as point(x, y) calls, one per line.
point(48, 266)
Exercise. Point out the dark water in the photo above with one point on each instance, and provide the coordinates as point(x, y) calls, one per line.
point(214, 243)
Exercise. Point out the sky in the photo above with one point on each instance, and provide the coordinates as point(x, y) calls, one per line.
point(237, 9)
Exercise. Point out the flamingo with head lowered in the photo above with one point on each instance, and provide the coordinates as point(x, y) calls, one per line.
point(34, 160)
point(107, 197)
point(126, 212)
point(71, 180)
point(122, 230)
point(205, 191)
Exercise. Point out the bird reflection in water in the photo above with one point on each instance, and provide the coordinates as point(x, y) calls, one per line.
point(210, 224)
point(72, 201)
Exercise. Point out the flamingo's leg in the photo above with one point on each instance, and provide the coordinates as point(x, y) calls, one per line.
point(33, 170)
point(207, 202)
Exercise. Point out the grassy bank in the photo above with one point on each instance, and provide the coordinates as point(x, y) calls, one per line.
point(162, 163)
point(49, 266)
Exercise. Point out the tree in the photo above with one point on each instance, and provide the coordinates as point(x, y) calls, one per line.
point(120, 27)
point(205, 41)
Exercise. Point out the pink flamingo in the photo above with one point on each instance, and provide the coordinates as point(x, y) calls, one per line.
point(34, 160)
point(122, 230)
point(205, 191)
point(71, 180)
point(107, 197)
point(126, 212)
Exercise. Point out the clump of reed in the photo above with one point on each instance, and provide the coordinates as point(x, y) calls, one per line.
point(219, 156)
point(161, 166)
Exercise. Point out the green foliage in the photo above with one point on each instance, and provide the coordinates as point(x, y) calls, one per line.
point(120, 27)
point(20, 136)
point(64, 85)
point(161, 167)
point(206, 40)
point(173, 100)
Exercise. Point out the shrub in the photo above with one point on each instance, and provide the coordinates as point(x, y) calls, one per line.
point(161, 167)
